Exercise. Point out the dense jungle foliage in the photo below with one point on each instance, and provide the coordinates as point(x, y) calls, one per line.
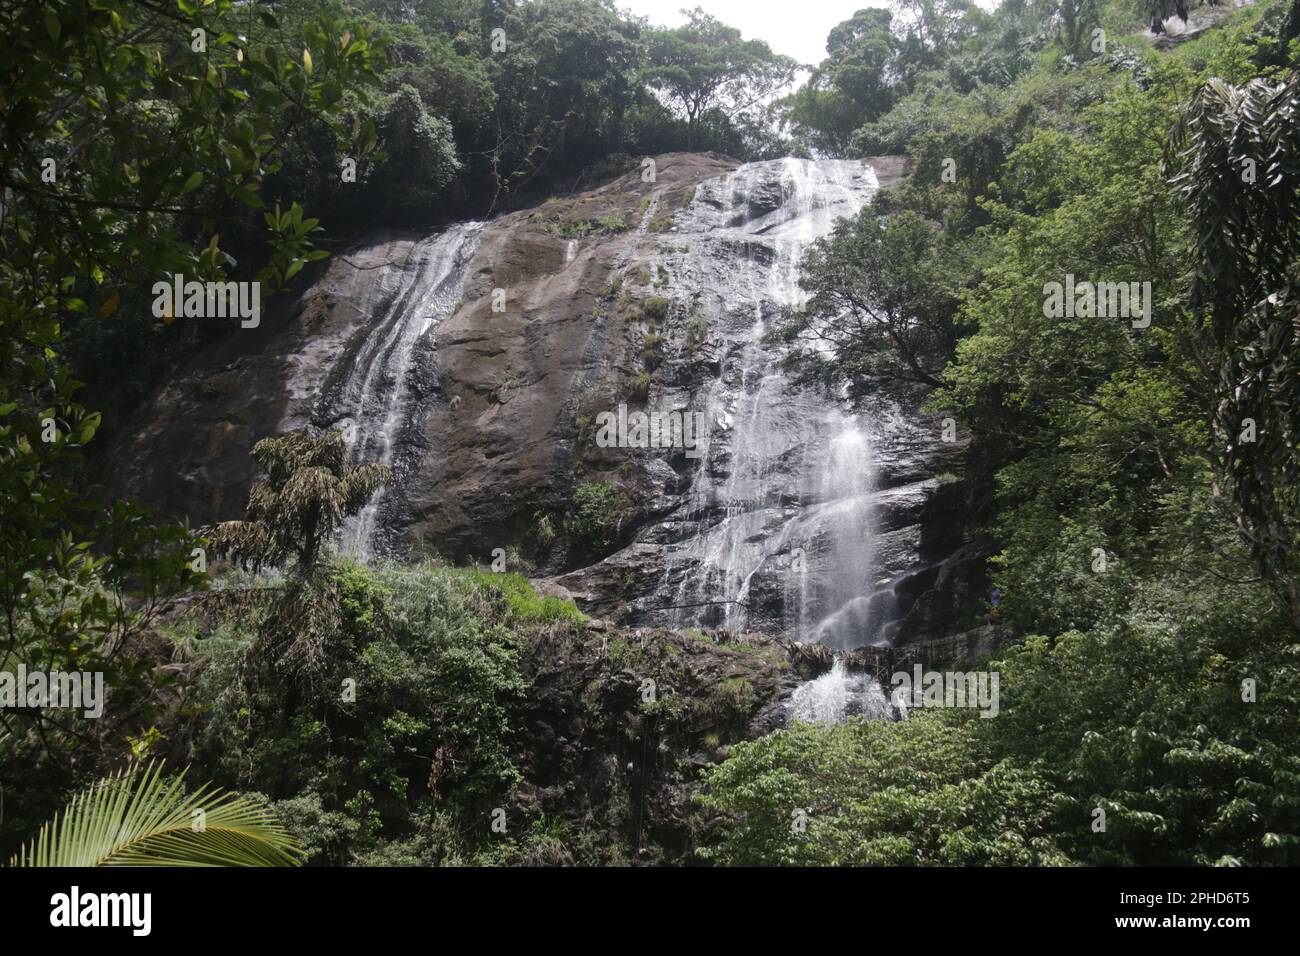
point(1140, 485)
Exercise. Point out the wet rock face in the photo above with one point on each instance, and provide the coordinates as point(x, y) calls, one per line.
point(533, 375)
point(805, 517)
point(186, 453)
point(478, 363)
point(405, 322)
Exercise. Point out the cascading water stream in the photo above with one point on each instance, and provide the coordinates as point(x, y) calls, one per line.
point(783, 497)
point(837, 694)
point(788, 473)
point(779, 512)
point(376, 396)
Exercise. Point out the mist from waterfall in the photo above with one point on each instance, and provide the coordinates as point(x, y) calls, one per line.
point(838, 694)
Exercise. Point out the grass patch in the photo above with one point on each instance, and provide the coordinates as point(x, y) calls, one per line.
point(581, 228)
point(526, 605)
point(639, 387)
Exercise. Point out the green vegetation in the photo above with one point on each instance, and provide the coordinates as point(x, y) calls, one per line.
point(129, 159)
point(652, 348)
point(299, 506)
point(1139, 483)
point(697, 333)
point(639, 387)
point(874, 793)
point(592, 520)
point(406, 746)
point(654, 308)
point(705, 67)
point(1146, 536)
point(582, 228)
point(1145, 722)
point(732, 699)
point(526, 605)
point(141, 818)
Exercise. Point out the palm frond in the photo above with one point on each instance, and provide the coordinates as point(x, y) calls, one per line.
point(359, 482)
point(138, 817)
point(310, 493)
point(249, 540)
point(305, 494)
point(330, 451)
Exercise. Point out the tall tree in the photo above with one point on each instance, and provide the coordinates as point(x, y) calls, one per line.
point(293, 512)
point(1240, 175)
point(855, 84)
point(137, 137)
point(563, 83)
point(882, 306)
point(705, 64)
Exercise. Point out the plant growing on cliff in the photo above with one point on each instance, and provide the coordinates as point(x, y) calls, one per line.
point(294, 511)
point(652, 348)
point(581, 228)
point(884, 297)
point(638, 387)
point(593, 517)
point(697, 333)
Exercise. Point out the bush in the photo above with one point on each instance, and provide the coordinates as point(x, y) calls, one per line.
point(639, 387)
point(1147, 720)
point(525, 604)
point(415, 712)
point(593, 517)
point(875, 793)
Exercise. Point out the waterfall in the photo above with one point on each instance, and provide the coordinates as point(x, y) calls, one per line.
point(838, 694)
point(378, 401)
point(775, 531)
point(782, 499)
point(779, 513)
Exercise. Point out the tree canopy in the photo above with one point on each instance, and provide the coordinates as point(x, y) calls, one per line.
point(706, 65)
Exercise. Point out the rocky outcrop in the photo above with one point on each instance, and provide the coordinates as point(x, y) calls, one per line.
point(533, 363)
point(499, 391)
point(617, 725)
point(477, 362)
point(186, 453)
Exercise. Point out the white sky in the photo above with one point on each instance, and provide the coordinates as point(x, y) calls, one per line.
point(796, 28)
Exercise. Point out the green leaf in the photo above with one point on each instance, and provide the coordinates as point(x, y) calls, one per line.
point(247, 194)
point(88, 428)
point(140, 818)
point(192, 182)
